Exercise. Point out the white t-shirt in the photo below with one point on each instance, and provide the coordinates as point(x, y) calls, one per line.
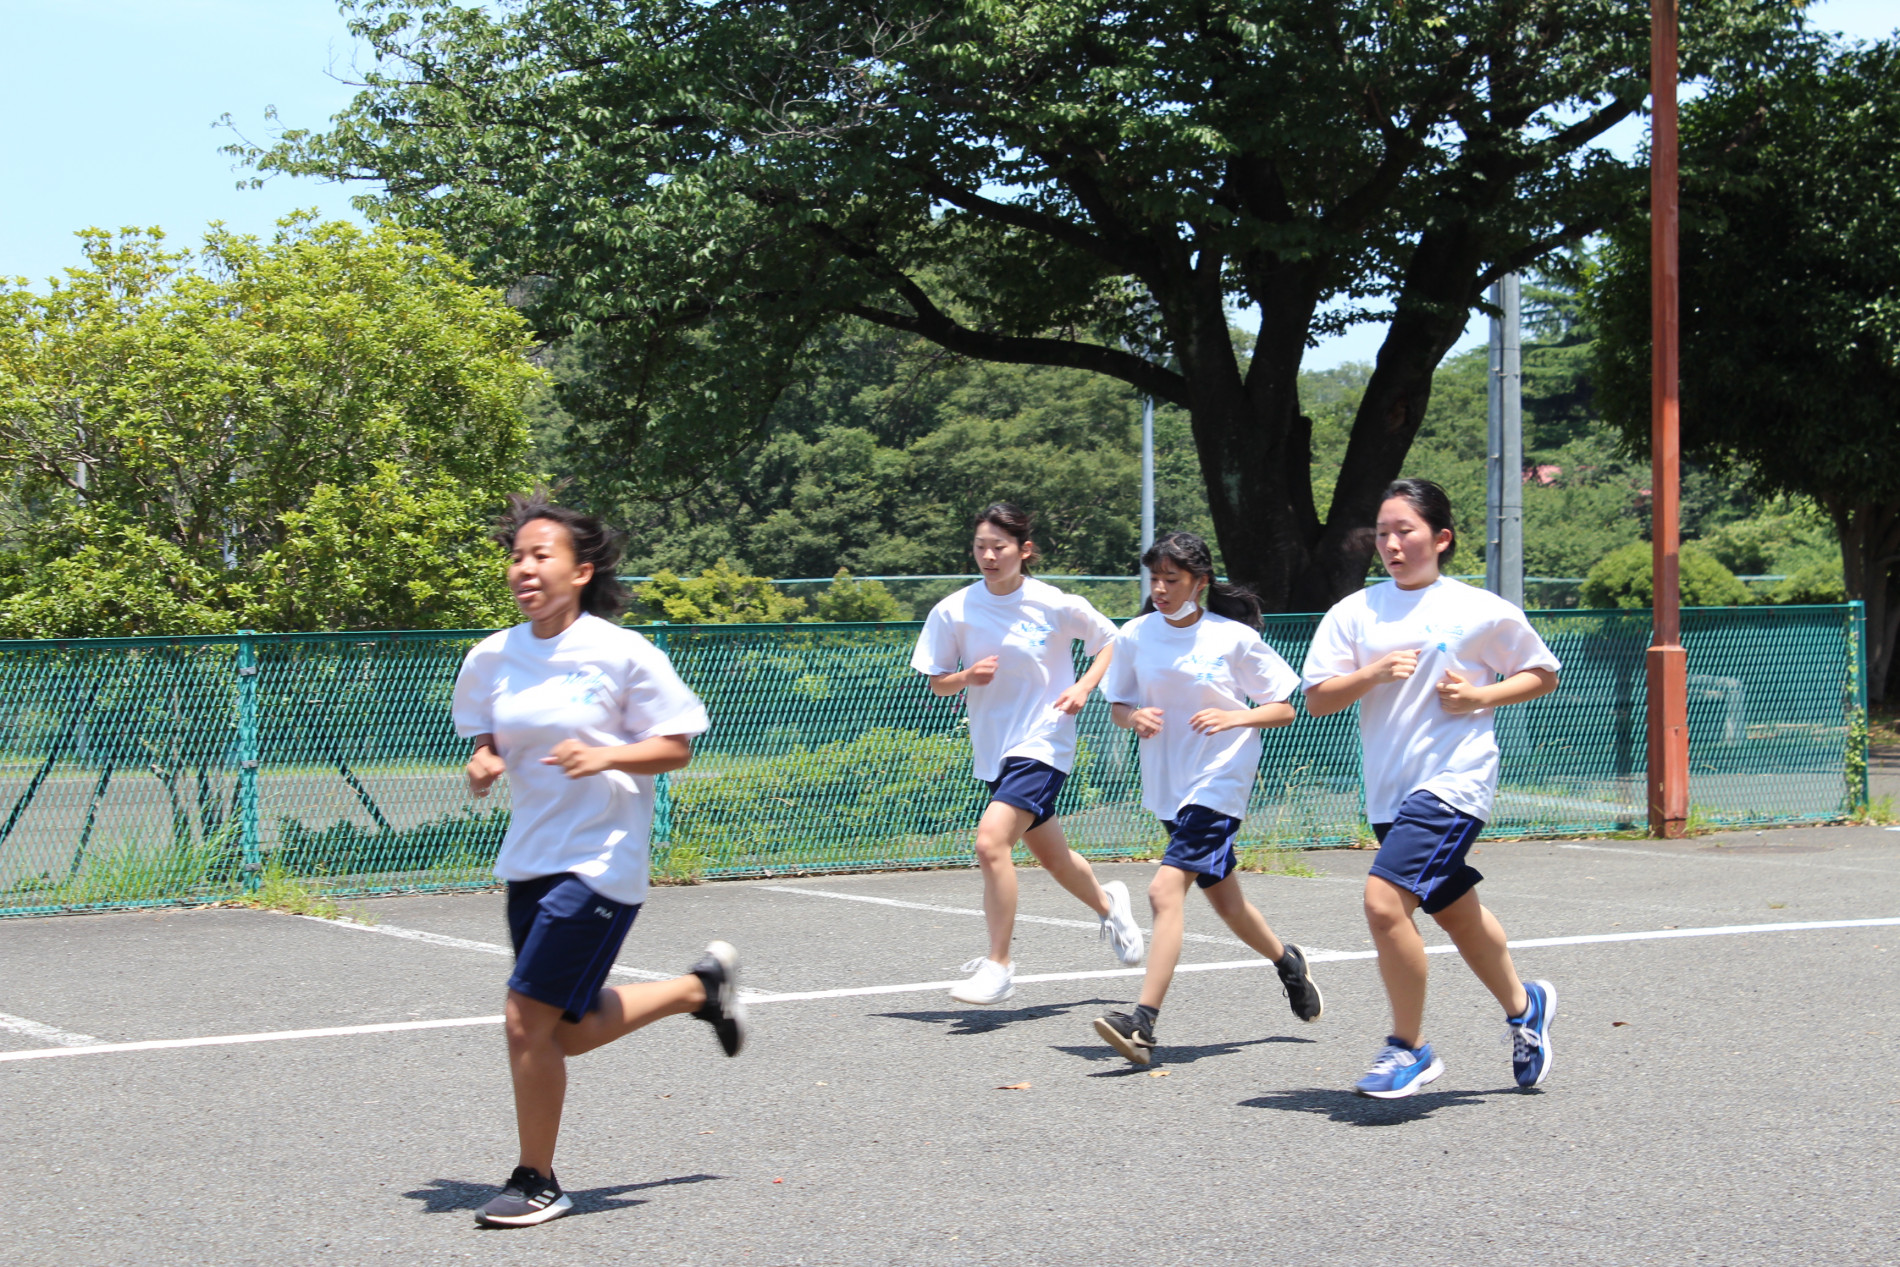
point(1408, 741)
point(1213, 663)
point(597, 682)
point(1029, 632)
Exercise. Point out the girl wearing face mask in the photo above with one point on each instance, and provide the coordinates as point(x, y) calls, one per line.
point(1428, 660)
point(1006, 644)
point(580, 713)
point(1193, 679)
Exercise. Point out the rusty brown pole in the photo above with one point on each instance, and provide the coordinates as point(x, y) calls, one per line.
point(1667, 661)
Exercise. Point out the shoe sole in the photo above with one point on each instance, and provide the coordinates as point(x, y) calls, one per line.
point(1316, 992)
point(1550, 1014)
point(1004, 997)
point(729, 1001)
point(1411, 1088)
point(553, 1210)
point(1140, 1055)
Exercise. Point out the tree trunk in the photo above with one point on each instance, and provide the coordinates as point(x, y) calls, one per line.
point(1870, 551)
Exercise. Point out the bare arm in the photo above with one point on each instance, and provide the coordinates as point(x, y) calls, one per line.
point(657, 755)
point(1456, 695)
point(1072, 700)
point(1145, 722)
point(484, 766)
point(1212, 721)
point(1340, 693)
point(978, 674)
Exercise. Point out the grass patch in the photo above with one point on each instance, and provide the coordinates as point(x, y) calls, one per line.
point(279, 890)
point(1271, 860)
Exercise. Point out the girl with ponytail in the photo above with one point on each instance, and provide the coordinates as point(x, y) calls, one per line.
point(1195, 682)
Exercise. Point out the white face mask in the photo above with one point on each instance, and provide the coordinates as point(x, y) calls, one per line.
point(1188, 608)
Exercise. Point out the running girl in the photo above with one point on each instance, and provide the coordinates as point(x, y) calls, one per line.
point(1193, 679)
point(580, 714)
point(1422, 656)
point(1005, 643)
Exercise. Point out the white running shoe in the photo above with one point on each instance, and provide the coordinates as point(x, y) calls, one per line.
point(1119, 925)
point(993, 983)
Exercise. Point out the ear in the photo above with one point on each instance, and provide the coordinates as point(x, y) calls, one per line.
point(583, 573)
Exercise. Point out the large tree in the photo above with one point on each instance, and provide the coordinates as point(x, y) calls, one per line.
point(1790, 301)
point(1058, 182)
point(305, 432)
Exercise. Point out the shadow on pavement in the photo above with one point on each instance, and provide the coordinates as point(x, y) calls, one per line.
point(1170, 1054)
point(975, 1020)
point(1358, 1110)
point(448, 1196)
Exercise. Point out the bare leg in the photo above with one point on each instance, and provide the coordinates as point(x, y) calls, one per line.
point(1401, 955)
point(1167, 894)
point(539, 1043)
point(1070, 869)
point(1243, 917)
point(996, 835)
point(1480, 939)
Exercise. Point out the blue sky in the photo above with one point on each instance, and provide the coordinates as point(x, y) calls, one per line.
point(110, 106)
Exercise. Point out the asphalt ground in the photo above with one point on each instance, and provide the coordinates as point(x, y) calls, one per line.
point(1715, 1098)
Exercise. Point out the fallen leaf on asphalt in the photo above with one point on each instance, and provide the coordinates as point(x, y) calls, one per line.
point(1157, 1073)
point(1015, 1086)
point(705, 1132)
point(1614, 1024)
point(778, 1181)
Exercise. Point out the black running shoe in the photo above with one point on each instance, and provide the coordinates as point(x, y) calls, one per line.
point(1299, 987)
point(724, 1010)
point(528, 1199)
point(1125, 1034)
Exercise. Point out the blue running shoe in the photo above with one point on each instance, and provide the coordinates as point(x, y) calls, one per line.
point(1399, 1071)
point(1530, 1034)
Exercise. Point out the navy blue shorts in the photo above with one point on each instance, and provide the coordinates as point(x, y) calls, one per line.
point(1424, 849)
point(1029, 785)
point(566, 939)
point(1202, 840)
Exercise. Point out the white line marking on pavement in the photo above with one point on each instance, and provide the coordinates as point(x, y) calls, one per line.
point(1749, 857)
point(964, 910)
point(274, 1036)
point(47, 1033)
point(919, 987)
point(484, 947)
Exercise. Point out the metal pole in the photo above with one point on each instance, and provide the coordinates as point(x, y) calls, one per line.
point(1511, 465)
point(1494, 451)
point(248, 752)
point(1668, 669)
point(1147, 483)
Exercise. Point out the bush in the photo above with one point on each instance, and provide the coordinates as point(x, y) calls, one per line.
point(719, 595)
point(846, 599)
point(1623, 578)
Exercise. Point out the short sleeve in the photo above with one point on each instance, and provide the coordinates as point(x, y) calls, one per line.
point(656, 702)
point(1121, 685)
point(1262, 675)
point(472, 708)
point(1332, 652)
point(1083, 624)
point(936, 652)
point(1512, 646)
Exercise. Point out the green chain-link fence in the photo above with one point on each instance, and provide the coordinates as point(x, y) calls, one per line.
point(139, 771)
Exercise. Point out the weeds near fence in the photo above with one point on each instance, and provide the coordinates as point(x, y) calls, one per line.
point(278, 889)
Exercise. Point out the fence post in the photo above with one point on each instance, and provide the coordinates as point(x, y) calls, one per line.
point(662, 795)
point(247, 759)
point(1857, 622)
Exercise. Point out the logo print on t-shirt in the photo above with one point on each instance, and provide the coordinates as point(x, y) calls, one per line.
point(1032, 633)
point(586, 686)
point(1200, 666)
point(1447, 636)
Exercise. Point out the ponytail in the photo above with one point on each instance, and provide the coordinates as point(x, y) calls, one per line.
point(1189, 553)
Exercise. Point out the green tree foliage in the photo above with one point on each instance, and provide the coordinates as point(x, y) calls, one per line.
point(719, 595)
point(847, 599)
point(306, 432)
point(1625, 577)
point(1062, 183)
point(1791, 324)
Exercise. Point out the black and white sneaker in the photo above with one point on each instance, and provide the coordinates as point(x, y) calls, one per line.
point(1126, 1035)
point(1298, 984)
point(528, 1199)
point(724, 1010)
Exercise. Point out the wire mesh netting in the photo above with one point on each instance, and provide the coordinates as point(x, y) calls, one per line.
point(154, 771)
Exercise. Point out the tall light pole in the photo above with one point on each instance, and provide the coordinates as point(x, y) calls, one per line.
point(1667, 662)
point(1504, 472)
point(1147, 485)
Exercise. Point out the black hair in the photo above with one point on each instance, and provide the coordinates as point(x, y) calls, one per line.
point(593, 541)
point(1432, 505)
point(1189, 553)
point(1014, 521)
